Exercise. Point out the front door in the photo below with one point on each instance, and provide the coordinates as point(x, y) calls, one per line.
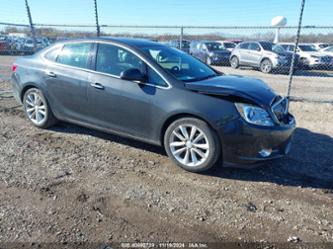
point(114, 103)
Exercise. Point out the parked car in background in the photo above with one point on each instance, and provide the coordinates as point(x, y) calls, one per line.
point(28, 46)
point(309, 57)
point(194, 46)
point(3, 45)
point(327, 51)
point(176, 44)
point(319, 45)
point(212, 53)
point(264, 55)
point(157, 94)
point(228, 45)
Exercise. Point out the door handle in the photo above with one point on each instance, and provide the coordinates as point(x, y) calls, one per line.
point(97, 85)
point(51, 74)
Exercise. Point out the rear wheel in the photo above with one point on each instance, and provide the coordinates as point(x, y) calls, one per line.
point(234, 62)
point(266, 66)
point(192, 144)
point(37, 109)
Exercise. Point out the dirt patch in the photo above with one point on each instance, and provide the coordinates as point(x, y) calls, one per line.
point(75, 184)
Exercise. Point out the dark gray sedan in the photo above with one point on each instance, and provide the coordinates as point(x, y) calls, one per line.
point(157, 94)
point(212, 53)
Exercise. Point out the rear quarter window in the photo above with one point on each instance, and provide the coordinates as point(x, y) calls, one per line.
point(52, 54)
point(75, 54)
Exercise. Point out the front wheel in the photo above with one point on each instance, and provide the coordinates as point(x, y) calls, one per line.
point(192, 144)
point(234, 62)
point(37, 109)
point(266, 66)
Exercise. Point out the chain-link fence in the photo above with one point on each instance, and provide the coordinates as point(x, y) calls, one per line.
point(270, 53)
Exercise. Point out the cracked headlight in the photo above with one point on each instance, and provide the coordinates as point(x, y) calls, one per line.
point(254, 114)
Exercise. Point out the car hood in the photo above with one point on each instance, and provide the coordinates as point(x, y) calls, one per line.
point(239, 86)
point(313, 53)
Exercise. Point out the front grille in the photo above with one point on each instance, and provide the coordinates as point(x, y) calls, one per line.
point(280, 108)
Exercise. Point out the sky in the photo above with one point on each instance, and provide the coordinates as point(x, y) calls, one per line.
point(168, 12)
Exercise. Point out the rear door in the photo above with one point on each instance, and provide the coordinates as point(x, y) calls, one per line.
point(244, 53)
point(67, 80)
point(254, 54)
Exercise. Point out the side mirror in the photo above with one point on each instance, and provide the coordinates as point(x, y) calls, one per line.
point(132, 74)
point(259, 49)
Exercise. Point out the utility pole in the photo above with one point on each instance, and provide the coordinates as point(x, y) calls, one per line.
point(96, 17)
point(181, 38)
point(291, 71)
point(32, 29)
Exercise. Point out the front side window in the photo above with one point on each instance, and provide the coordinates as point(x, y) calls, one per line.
point(291, 48)
point(75, 54)
point(179, 64)
point(254, 46)
point(114, 60)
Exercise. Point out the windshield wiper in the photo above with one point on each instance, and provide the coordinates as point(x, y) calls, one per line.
point(202, 78)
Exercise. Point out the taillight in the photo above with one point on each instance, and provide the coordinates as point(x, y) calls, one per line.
point(14, 67)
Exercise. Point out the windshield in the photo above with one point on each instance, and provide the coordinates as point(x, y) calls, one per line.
point(213, 46)
point(307, 48)
point(229, 45)
point(179, 64)
point(185, 44)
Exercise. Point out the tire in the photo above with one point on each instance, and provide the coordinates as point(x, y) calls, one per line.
point(209, 61)
point(37, 109)
point(234, 62)
point(266, 66)
point(187, 152)
point(304, 65)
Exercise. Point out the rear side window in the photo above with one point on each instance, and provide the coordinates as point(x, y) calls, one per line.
point(254, 46)
point(244, 46)
point(114, 60)
point(75, 54)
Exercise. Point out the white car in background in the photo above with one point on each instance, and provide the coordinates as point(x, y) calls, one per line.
point(227, 45)
point(309, 57)
point(320, 45)
point(327, 51)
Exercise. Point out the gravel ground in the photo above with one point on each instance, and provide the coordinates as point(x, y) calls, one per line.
point(70, 183)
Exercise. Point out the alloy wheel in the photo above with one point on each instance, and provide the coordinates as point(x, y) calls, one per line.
point(234, 62)
point(35, 108)
point(266, 66)
point(189, 145)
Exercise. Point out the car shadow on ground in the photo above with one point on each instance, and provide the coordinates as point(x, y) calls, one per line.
point(309, 164)
point(74, 129)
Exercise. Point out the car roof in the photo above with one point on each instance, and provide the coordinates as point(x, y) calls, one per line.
point(137, 42)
